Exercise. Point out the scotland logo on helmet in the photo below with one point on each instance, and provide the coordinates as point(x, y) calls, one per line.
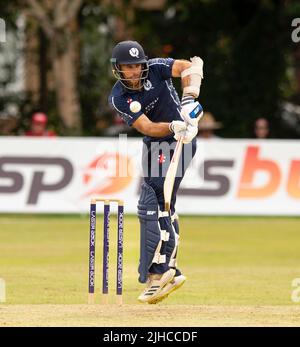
point(134, 52)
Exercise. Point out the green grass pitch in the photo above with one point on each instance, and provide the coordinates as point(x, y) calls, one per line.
point(239, 269)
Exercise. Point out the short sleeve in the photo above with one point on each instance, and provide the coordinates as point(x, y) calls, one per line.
point(162, 66)
point(122, 106)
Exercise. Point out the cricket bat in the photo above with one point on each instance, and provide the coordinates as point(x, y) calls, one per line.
point(171, 174)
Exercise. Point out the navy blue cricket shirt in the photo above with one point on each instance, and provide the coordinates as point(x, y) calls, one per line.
point(158, 98)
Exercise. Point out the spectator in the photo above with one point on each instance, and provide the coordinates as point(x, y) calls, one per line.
point(38, 126)
point(207, 126)
point(261, 128)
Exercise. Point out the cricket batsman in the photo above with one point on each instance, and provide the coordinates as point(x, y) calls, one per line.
point(145, 99)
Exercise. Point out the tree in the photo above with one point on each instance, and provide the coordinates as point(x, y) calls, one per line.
point(57, 19)
point(244, 45)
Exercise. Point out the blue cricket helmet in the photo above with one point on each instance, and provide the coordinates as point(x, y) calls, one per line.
point(125, 53)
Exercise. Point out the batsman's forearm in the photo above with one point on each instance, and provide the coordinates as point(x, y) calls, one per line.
point(158, 130)
point(146, 127)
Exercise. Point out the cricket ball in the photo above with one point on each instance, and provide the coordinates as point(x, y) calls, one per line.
point(135, 106)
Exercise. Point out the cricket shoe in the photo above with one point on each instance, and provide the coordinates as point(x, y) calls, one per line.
point(170, 287)
point(155, 283)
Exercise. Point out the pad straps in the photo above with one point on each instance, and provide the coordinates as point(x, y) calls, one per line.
point(164, 237)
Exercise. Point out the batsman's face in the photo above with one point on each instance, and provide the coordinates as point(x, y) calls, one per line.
point(132, 72)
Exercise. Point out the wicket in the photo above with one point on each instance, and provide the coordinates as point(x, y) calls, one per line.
point(105, 263)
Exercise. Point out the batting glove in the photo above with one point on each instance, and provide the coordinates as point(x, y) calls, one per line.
point(191, 113)
point(178, 127)
point(190, 133)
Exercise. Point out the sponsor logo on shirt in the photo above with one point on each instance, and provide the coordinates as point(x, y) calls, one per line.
point(148, 85)
point(149, 107)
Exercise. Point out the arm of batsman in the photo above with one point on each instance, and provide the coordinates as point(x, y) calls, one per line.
point(191, 113)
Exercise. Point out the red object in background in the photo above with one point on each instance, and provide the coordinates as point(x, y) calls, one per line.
point(39, 126)
point(39, 117)
point(167, 49)
point(48, 133)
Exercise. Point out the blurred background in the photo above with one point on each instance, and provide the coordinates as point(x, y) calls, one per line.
point(55, 61)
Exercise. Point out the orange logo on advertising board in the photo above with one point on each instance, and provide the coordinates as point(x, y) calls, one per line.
point(108, 174)
point(293, 185)
point(253, 164)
